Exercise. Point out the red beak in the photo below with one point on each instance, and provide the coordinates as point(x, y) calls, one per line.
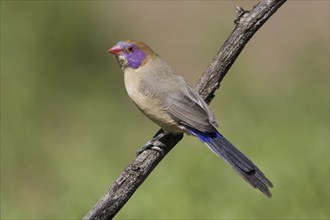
point(115, 50)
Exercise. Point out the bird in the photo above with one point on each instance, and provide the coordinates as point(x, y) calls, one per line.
point(169, 101)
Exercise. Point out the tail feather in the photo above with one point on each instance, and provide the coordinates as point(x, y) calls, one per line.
point(236, 159)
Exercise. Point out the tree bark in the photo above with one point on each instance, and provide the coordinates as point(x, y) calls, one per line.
point(247, 24)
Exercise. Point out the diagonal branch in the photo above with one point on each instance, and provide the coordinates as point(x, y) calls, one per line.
point(247, 24)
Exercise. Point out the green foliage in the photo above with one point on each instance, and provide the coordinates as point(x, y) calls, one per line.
point(68, 128)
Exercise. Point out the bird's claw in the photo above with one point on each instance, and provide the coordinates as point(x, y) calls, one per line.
point(152, 145)
point(145, 147)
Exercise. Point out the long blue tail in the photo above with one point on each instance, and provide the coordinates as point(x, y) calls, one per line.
point(236, 159)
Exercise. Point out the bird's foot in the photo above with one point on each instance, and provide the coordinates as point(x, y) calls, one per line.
point(154, 144)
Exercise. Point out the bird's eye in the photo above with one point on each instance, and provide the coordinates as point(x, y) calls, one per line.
point(130, 49)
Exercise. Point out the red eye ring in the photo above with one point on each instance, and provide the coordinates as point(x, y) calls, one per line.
point(130, 49)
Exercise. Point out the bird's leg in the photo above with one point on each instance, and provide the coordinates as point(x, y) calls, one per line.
point(154, 143)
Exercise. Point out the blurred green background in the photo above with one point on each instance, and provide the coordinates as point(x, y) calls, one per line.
point(68, 128)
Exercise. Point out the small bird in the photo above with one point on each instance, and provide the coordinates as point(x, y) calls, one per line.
point(167, 99)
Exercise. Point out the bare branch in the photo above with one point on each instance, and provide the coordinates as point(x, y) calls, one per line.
point(247, 24)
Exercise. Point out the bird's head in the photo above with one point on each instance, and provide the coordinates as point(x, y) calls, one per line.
point(131, 54)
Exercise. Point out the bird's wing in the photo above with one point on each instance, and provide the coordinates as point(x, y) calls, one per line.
point(181, 101)
point(188, 108)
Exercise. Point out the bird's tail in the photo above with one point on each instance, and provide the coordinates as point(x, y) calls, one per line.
point(236, 159)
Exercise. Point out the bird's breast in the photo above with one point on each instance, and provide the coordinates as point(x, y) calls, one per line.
point(149, 103)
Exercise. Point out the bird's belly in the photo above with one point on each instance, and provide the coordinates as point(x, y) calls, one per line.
point(158, 114)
